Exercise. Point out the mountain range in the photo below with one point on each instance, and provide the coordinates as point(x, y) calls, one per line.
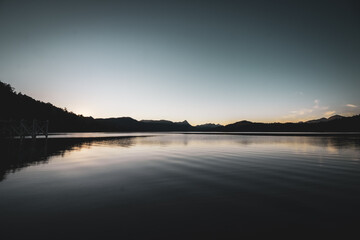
point(16, 106)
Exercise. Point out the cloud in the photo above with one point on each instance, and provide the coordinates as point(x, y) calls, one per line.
point(317, 105)
point(351, 105)
point(329, 113)
point(315, 110)
point(301, 112)
point(316, 102)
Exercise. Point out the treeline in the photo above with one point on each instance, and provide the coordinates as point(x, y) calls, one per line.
point(17, 106)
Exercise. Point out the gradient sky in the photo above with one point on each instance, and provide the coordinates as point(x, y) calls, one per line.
point(203, 61)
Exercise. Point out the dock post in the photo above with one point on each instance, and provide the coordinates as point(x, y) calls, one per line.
point(34, 129)
point(46, 128)
point(22, 129)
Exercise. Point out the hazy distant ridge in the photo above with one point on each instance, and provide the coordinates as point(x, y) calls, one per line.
point(335, 123)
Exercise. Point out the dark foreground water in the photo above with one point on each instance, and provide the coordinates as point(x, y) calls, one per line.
point(181, 186)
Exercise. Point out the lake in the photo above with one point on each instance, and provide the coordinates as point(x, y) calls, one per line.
point(180, 186)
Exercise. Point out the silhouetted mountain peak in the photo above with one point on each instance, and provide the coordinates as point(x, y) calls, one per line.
point(243, 122)
point(119, 118)
point(208, 126)
point(335, 117)
point(183, 123)
point(317, 120)
point(320, 120)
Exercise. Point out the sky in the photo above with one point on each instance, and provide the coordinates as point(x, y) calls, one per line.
point(203, 61)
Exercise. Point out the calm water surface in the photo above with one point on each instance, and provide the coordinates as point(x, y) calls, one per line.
point(180, 186)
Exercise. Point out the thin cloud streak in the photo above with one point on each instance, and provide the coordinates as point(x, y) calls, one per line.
point(308, 113)
point(351, 105)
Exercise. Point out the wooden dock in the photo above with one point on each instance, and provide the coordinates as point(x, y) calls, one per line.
point(21, 129)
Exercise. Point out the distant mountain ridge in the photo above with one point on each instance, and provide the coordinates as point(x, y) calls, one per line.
point(17, 106)
point(335, 123)
point(208, 126)
point(325, 119)
point(129, 124)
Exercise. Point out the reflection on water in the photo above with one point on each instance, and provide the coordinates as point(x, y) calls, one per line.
point(18, 154)
point(185, 186)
